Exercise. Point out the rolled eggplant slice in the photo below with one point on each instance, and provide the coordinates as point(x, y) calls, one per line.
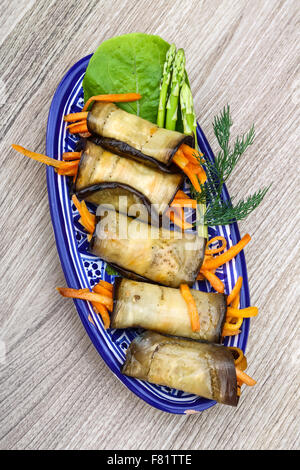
point(143, 252)
point(163, 309)
point(103, 177)
point(207, 370)
point(129, 135)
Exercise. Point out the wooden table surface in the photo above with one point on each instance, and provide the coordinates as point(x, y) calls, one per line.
point(56, 392)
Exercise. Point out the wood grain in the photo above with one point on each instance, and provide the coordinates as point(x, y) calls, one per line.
point(56, 392)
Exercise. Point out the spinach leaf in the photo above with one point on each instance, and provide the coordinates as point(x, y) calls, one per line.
point(129, 63)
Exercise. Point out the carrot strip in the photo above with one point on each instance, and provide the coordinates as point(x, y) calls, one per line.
point(198, 170)
point(191, 305)
point(88, 220)
point(236, 301)
point(102, 290)
point(242, 313)
point(113, 98)
point(192, 177)
point(91, 320)
point(233, 326)
point(85, 135)
point(106, 284)
point(244, 377)
point(178, 218)
point(235, 291)
point(68, 168)
point(75, 124)
point(189, 152)
point(230, 332)
point(216, 283)
point(67, 172)
point(78, 128)
point(91, 296)
point(102, 310)
point(180, 159)
point(215, 250)
point(184, 203)
point(39, 157)
point(216, 262)
point(181, 195)
point(75, 116)
point(241, 360)
point(69, 156)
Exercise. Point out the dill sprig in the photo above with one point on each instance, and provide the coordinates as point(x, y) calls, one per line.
point(219, 212)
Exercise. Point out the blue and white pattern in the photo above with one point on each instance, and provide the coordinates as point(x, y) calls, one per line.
point(82, 269)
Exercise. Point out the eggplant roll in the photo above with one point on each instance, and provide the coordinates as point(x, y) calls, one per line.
point(129, 135)
point(143, 252)
point(163, 309)
point(103, 177)
point(204, 369)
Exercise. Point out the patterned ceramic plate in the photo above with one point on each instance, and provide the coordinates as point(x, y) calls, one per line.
point(82, 269)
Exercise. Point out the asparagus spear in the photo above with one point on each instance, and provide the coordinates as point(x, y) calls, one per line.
point(178, 77)
point(187, 110)
point(166, 78)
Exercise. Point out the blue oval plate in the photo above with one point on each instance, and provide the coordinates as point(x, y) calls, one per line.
point(82, 269)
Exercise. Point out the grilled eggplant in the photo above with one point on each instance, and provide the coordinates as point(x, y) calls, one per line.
point(143, 252)
point(203, 369)
point(131, 136)
point(103, 177)
point(163, 309)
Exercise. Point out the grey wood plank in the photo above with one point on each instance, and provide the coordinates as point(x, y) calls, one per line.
point(56, 392)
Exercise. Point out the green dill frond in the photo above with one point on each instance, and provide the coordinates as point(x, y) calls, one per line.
point(219, 212)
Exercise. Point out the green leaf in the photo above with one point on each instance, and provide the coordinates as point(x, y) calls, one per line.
point(125, 64)
point(110, 271)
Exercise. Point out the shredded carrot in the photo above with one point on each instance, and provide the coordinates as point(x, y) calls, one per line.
point(102, 290)
point(91, 320)
point(177, 217)
point(242, 313)
point(76, 172)
point(88, 220)
point(70, 170)
point(230, 332)
point(190, 153)
point(198, 171)
point(241, 360)
point(106, 284)
point(244, 377)
point(75, 116)
point(191, 305)
point(184, 203)
point(102, 310)
point(216, 262)
point(113, 98)
point(69, 156)
point(233, 326)
point(235, 291)
point(180, 159)
point(83, 295)
point(39, 157)
point(213, 251)
point(62, 167)
point(76, 124)
point(85, 135)
point(216, 283)
point(236, 301)
point(181, 195)
point(200, 277)
point(79, 128)
point(192, 177)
